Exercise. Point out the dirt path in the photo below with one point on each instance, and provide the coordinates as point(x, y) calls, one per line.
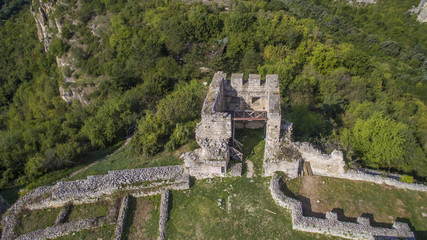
point(97, 161)
point(250, 172)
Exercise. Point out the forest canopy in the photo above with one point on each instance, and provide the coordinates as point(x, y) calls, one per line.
point(351, 77)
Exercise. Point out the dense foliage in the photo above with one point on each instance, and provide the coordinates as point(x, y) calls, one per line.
point(352, 77)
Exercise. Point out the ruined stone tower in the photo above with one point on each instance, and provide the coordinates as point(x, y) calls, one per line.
point(229, 104)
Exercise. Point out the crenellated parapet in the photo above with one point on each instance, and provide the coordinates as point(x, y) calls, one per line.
point(330, 225)
point(257, 104)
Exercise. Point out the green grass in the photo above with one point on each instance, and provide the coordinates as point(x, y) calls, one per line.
point(11, 194)
point(253, 146)
point(386, 204)
point(104, 232)
point(126, 159)
point(91, 210)
point(195, 214)
point(55, 176)
point(30, 221)
point(142, 221)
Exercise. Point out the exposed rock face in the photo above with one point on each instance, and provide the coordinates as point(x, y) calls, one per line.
point(421, 11)
point(44, 22)
point(74, 93)
point(50, 28)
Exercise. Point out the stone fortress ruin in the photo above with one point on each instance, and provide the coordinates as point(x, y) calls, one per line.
point(230, 104)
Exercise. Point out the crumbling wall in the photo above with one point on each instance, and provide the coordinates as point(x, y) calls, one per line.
point(331, 225)
point(215, 131)
point(139, 182)
point(164, 214)
point(62, 229)
point(285, 156)
point(322, 164)
point(120, 223)
point(94, 187)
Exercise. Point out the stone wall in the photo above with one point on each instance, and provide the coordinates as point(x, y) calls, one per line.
point(120, 223)
point(164, 214)
point(331, 225)
point(321, 164)
point(94, 187)
point(138, 182)
point(214, 133)
point(63, 229)
point(285, 156)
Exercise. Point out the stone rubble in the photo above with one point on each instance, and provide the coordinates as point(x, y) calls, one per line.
point(62, 229)
point(139, 182)
point(120, 223)
point(164, 214)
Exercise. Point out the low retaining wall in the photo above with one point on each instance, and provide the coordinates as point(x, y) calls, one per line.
point(121, 218)
point(139, 182)
point(63, 229)
point(164, 214)
point(331, 225)
point(94, 187)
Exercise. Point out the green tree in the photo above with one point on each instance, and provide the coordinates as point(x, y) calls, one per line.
point(324, 59)
point(379, 140)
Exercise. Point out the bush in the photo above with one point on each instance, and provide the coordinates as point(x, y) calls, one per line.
point(407, 179)
point(390, 48)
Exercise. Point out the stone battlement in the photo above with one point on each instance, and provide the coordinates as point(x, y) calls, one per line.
point(253, 82)
point(231, 104)
point(362, 229)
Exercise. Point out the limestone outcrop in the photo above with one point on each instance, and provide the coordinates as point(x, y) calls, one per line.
point(420, 11)
point(50, 28)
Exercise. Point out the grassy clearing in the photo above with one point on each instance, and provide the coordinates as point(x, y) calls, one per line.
point(30, 221)
point(142, 221)
point(253, 146)
point(11, 194)
point(384, 204)
point(195, 213)
point(126, 159)
point(91, 210)
point(104, 232)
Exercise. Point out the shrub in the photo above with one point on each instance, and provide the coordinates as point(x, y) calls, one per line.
point(407, 179)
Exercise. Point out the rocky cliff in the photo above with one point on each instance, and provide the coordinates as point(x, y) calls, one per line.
point(421, 11)
point(54, 21)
